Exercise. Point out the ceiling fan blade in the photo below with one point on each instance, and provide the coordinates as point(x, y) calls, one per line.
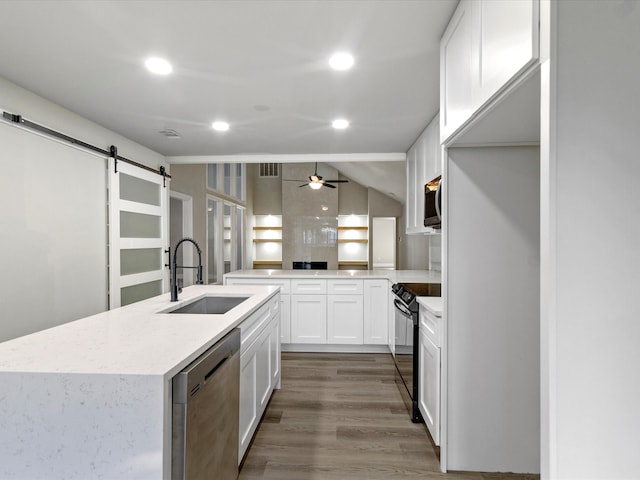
point(337, 181)
point(303, 185)
point(329, 185)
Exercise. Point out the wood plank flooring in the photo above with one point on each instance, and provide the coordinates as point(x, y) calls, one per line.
point(341, 417)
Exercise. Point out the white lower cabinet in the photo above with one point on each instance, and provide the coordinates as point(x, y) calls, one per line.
point(391, 327)
point(308, 319)
point(259, 369)
point(429, 367)
point(376, 311)
point(344, 319)
point(332, 311)
point(285, 318)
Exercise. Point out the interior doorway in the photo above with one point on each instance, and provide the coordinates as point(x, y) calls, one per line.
point(181, 226)
point(383, 239)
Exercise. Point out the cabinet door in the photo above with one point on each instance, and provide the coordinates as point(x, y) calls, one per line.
point(344, 319)
point(274, 337)
point(285, 318)
point(391, 335)
point(429, 386)
point(434, 150)
point(264, 387)
point(248, 413)
point(455, 70)
point(308, 319)
point(412, 195)
point(376, 311)
point(506, 35)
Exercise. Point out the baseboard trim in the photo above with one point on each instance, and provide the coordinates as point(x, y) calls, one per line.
point(321, 348)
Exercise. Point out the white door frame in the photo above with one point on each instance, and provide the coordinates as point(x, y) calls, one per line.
point(187, 257)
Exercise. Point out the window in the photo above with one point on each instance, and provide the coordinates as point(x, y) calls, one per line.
point(228, 179)
point(225, 219)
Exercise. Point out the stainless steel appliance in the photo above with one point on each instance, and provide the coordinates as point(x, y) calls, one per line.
point(205, 414)
point(433, 202)
point(406, 339)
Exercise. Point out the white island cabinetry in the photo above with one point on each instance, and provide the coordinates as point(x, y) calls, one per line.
point(285, 300)
point(259, 369)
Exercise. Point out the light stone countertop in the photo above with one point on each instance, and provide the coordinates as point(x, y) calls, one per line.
point(432, 304)
point(134, 340)
point(395, 276)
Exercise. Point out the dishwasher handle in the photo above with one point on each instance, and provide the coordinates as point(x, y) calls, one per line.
point(189, 381)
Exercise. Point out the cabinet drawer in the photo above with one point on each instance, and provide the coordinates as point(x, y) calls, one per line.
point(430, 325)
point(252, 326)
point(311, 286)
point(284, 284)
point(344, 287)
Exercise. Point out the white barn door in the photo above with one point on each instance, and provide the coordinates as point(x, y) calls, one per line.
point(138, 234)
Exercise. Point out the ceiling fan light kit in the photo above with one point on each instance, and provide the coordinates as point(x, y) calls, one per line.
point(316, 181)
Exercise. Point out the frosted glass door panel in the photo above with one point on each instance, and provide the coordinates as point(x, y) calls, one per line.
point(142, 291)
point(140, 225)
point(140, 260)
point(139, 190)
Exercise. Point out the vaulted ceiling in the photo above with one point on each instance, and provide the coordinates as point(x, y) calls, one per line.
point(260, 65)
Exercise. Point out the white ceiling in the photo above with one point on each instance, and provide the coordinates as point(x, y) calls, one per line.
point(231, 58)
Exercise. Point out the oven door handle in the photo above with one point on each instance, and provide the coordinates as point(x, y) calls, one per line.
point(402, 308)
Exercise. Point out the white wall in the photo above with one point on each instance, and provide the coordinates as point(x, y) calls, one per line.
point(591, 243)
point(53, 218)
point(492, 313)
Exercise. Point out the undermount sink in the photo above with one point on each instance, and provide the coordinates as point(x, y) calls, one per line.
point(211, 305)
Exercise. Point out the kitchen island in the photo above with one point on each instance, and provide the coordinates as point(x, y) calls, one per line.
point(92, 398)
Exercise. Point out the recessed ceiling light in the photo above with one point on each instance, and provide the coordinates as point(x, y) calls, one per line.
point(158, 65)
point(220, 126)
point(340, 124)
point(341, 61)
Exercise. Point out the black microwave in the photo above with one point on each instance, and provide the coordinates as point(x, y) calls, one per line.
point(433, 202)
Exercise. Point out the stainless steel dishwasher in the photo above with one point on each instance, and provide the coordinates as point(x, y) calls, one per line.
point(205, 414)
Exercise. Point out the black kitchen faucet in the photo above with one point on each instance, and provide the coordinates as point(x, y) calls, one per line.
point(175, 266)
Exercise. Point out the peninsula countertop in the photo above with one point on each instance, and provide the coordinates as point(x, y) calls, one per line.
point(395, 276)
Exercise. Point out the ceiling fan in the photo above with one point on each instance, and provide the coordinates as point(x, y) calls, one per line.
point(316, 181)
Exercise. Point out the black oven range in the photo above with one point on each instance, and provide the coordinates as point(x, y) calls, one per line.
point(406, 339)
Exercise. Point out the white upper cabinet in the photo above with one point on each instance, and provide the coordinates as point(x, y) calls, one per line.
point(424, 163)
point(455, 70)
point(486, 45)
